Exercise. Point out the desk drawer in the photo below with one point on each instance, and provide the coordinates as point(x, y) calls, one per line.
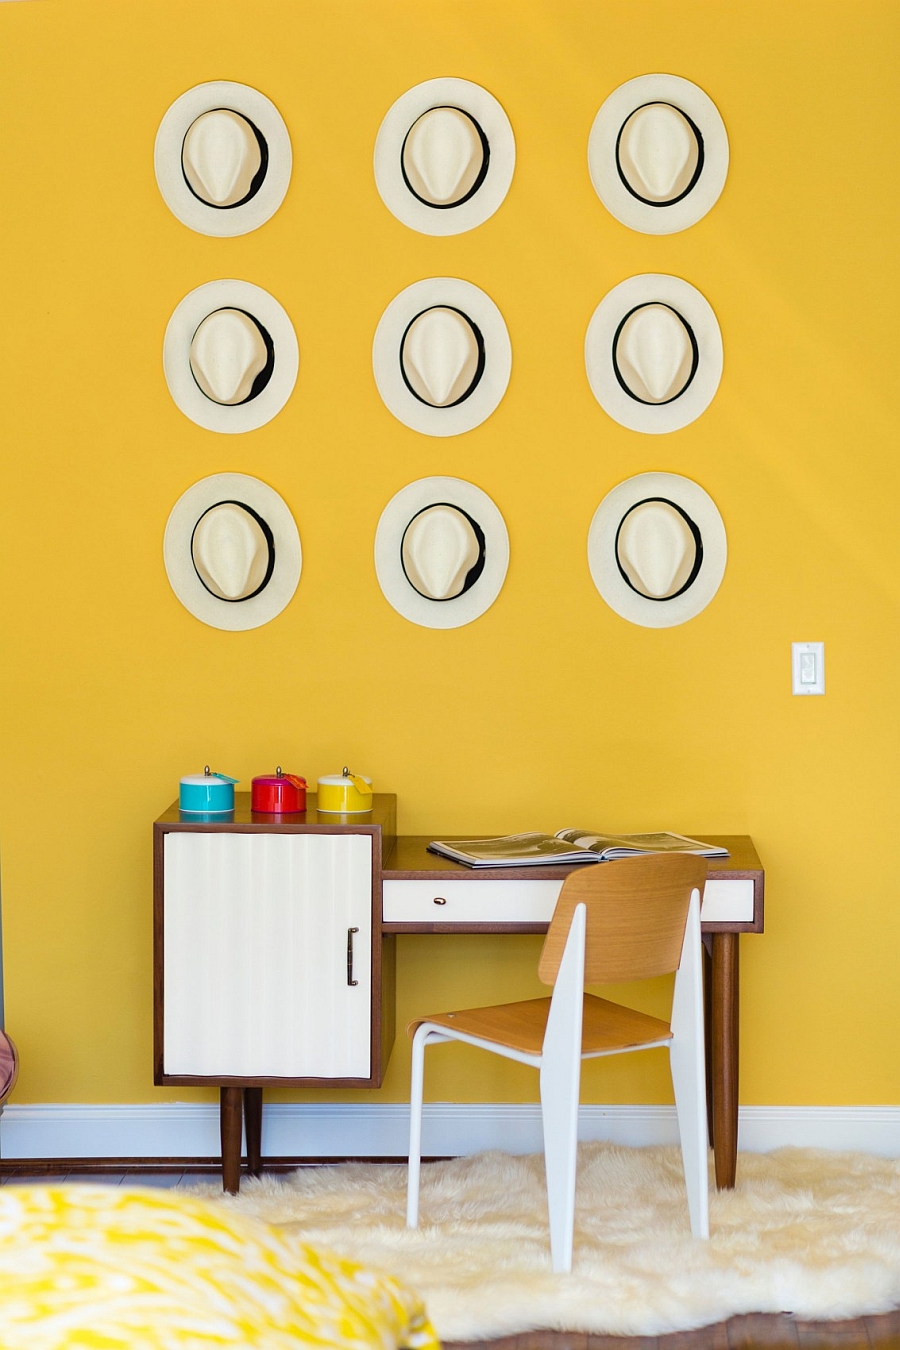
point(470, 901)
point(529, 901)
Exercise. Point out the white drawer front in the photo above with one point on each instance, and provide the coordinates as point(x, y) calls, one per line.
point(255, 941)
point(728, 901)
point(528, 901)
point(470, 901)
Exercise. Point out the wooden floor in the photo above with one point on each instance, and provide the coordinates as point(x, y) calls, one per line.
point(755, 1331)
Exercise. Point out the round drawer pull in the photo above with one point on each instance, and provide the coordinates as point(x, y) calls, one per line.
point(439, 900)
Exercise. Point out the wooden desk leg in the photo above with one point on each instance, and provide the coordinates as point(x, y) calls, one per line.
point(253, 1108)
point(707, 1036)
point(230, 1120)
point(724, 1002)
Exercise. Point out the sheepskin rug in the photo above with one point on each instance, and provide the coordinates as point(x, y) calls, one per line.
point(805, 1231)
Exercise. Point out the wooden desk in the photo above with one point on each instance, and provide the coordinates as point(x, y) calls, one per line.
point(424, 893)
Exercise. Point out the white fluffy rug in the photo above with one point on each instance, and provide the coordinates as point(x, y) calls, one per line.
point(805, 1231)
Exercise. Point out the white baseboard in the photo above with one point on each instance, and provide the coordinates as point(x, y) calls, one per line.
point(296, 1130)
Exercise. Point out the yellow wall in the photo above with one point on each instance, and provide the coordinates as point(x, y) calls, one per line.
point(550, 710)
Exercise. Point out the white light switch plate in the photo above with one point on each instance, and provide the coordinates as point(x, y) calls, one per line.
point(808, 667)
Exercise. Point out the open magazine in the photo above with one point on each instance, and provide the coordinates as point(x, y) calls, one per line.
point(566, 846)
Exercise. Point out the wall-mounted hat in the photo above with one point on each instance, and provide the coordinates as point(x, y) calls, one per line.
point(657, 549)
point(441, 552)
point(223, 158)
point(444, 156)
point(658, 154)
point(232, 551)
point(653, 353)
point(230, 356)
point(442, 356)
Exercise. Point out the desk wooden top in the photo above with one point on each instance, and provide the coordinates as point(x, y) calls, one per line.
point(410, 860)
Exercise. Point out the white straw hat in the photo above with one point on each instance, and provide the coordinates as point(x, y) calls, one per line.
point(442, 356)
point(653, 353)
point(223, 158)
point(658, 154)
point(230, 356)
point(441, 552)
point(232, 551)
point(657, 549)
point(444, 157)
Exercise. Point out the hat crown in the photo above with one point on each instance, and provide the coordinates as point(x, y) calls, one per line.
point(440, 356)
point(440, 548)
point(654, 353)
point(230, 551)
point(443, 155)
point(656, 549)
point(221, 157)
point(658, 152)
point(227, 353)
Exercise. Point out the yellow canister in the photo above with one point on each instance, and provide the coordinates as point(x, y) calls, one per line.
point(346, 793)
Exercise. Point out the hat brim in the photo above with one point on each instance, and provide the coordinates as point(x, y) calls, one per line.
point(395, 585)
point(188, 315)
point(409, 107)
point(234, 616)
point(181, 201)
point(648, 289)
point(399, 398)
point(607, 577)
point(667, 218)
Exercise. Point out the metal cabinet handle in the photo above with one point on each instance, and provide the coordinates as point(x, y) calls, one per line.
point(350, 932)
point(439, 900)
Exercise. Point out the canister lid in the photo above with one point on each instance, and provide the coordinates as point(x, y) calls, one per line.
point(206, 778)
point(274, 779)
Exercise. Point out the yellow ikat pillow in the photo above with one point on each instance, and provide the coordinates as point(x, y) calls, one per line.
point(108, 1268)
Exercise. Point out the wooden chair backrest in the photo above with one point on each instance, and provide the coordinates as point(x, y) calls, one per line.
point(636, 912)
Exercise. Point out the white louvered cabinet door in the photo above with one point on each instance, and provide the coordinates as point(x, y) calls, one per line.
point(255, 935)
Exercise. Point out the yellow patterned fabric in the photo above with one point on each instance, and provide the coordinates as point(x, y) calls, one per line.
point(109, 1268)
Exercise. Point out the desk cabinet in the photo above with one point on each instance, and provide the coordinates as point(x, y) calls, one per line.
point(271, 966)
point(267, 951)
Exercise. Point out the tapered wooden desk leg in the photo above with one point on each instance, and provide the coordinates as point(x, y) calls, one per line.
point(253, 1108)
point(230, 1120)
point(724, 999)
point(707, 1036)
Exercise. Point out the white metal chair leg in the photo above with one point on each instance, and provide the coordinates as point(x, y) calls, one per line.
point(560, 1087)
point(687, 1060)
point(415, 1126)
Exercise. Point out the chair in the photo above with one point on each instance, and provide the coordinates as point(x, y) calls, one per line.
point(631, 919)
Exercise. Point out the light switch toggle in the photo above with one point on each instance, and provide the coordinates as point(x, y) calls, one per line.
point(808, 667)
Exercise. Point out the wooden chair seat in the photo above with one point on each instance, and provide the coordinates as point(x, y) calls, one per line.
point(521, 1026)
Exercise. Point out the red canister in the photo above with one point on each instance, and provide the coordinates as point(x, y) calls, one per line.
point(278, 793)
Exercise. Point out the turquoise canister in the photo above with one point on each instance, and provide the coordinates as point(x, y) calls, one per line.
point(207, 792)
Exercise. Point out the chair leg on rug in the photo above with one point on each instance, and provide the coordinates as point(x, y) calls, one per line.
point(415, 1126)
point(687, 1062)
point(560, 1088)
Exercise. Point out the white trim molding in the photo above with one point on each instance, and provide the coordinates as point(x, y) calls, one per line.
point(337, 1130)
